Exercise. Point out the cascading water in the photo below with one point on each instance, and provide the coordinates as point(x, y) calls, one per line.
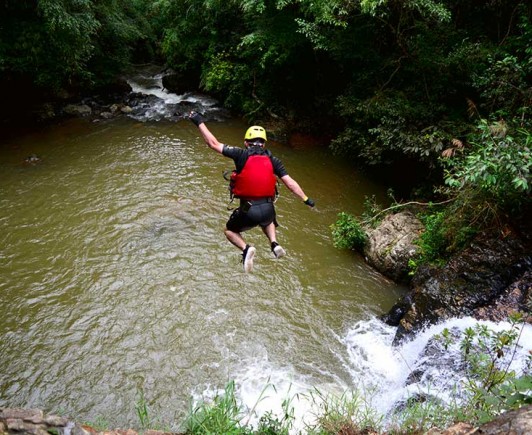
point(421, 366)
point(386, 375)
point(152, 102)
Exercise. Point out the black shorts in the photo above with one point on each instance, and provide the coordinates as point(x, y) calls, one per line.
point(251, 214)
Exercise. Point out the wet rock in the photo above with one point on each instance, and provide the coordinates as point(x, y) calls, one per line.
point(412, 400)
point(391, 245)
point(475, 278)
point(32, 159)
point(17, 421)
point(77, 109)
point(517, 422)
point(46, 112)
point(516, 298)
point(397, 312)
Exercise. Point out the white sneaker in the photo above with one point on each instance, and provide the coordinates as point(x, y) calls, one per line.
point(278, 250)
point(247, 258)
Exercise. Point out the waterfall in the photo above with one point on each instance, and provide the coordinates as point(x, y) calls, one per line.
point(150, 101)
point(385, 375)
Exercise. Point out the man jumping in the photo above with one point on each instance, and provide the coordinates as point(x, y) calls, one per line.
point(253, 182)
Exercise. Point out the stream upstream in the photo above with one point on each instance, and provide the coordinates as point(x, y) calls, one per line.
point(117, 280)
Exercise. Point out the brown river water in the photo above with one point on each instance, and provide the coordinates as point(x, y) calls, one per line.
point(116, 277)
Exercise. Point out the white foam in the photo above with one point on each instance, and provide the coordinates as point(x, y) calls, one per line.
point(378, 366)
point(378, 369)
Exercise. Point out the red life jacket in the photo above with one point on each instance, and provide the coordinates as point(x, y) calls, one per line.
point(255, 180)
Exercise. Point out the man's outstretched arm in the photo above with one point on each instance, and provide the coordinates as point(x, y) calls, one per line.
point(208, 137)
point(295, 188)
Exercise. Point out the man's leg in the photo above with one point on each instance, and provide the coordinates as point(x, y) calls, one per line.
point(235, 238)
point(248, 252)
point(270, 232)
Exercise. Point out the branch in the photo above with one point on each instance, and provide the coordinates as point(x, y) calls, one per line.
point(393, 207)
point(254, 95)
point(393, 73)
point(509, 26)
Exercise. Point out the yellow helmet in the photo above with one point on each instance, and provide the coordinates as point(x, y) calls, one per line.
point(255, 132)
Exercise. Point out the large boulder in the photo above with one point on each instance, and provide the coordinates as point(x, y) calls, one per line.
point(392, 244)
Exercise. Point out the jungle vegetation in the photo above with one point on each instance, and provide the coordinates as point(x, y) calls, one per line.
point(432, 90)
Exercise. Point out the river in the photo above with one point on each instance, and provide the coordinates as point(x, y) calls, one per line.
point(117, 279)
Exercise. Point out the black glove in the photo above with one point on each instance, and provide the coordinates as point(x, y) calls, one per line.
point(196, 118)
point(309, 202)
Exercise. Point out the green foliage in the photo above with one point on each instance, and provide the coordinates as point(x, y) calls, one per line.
point(504, 84)
point(371, 210)
point(492, 387)
point(497, 165)
point(433, 240)
point(387, 126)
point(58, 43)
point(269, 424)
point(348, 232)
point(429, 9)
point(419, 416)
point(223, 415)
point(347, 413)
point(51, 41)
point(448, 230)
point(126, 34)
point(141, 407)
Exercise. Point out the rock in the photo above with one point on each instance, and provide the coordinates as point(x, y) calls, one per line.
point(117, 88)
point(46, 112)
point(397, 312)
point(456, 429)
point(32, 159)
point(391, 245)
point(516, 298)
point(517, 422)
point(17, 421)
point(78, 110)
point(479, 276)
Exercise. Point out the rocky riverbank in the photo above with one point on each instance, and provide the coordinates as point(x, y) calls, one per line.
point(489, 280)
point(146, 102)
